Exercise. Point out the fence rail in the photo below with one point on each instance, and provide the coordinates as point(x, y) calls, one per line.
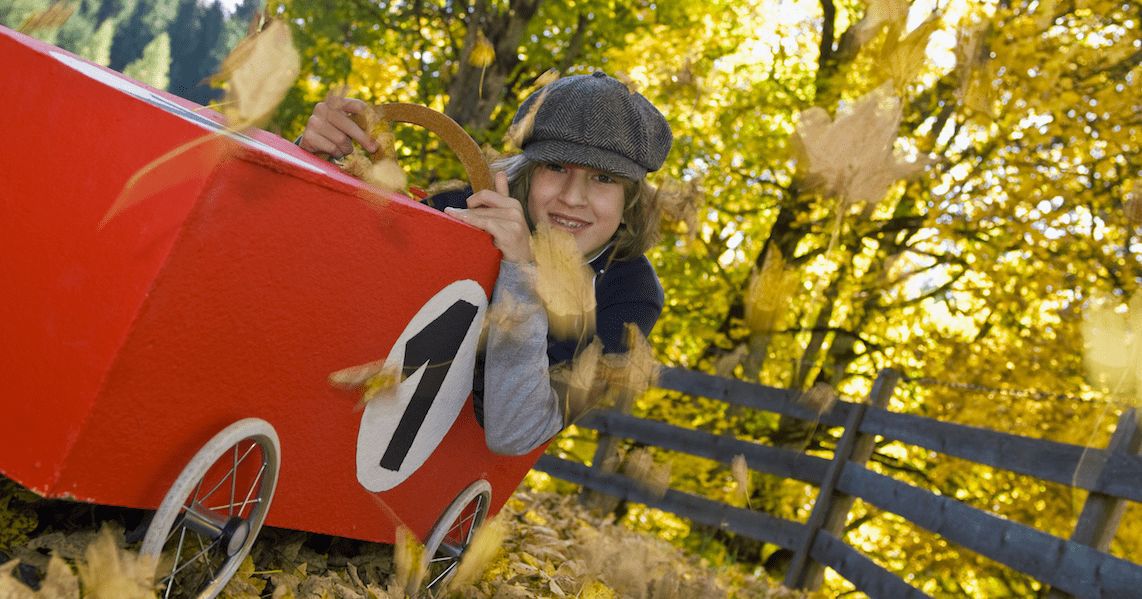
point(1078, 566)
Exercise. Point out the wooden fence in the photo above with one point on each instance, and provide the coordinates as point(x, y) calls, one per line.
point(1078, 566)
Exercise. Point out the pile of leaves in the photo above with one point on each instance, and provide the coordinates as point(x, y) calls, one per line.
point(549, 546)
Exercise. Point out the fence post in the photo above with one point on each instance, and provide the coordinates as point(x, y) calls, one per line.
point(605, 460)
point(832, 507)
point(1101, 513)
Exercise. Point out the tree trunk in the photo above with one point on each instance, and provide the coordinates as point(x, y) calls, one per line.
point(475, 92)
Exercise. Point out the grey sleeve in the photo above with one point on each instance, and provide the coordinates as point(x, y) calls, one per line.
point(521, 411)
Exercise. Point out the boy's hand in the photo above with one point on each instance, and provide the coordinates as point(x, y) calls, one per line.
point(502, 217)
point(330, 130)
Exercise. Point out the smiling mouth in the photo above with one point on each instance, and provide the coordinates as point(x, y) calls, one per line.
point(571, 224)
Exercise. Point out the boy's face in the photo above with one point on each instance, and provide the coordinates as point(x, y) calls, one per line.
point(585, 202)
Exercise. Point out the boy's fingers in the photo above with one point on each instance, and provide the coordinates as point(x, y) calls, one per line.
point(502, 183)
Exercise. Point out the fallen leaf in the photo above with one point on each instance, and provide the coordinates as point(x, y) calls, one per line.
point(108, 572)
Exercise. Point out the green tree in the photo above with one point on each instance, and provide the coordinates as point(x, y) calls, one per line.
point(153, 66)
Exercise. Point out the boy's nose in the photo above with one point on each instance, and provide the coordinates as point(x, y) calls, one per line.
point(575, 188)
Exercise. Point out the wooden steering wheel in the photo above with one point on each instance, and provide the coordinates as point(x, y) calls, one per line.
point(454, 136)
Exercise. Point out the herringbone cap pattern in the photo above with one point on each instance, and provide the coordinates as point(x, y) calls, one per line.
point(596, 121)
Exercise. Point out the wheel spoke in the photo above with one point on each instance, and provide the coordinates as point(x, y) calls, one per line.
point(217, 508)
point(233, 480)
point(174, 568)
point(195, 558)
point(443, 574)
point(253, 485)
point(232, 472)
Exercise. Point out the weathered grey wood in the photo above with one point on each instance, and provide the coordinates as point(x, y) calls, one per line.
point(1101, 513)
point(607, 447)
point(785, 463)
point(832, 508)
point(864, 573)
point(750, 395)
point(1048, 460)
point(754, 525)
point(1075, 568)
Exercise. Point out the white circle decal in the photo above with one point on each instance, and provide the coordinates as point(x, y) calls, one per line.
point(436, 355)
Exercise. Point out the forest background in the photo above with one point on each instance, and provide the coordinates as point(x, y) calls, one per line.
point(950, 188)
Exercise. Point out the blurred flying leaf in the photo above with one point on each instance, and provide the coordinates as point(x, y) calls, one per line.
point(182, 163)
point(521, 130)
point(374, 377)
point(740, 470)
point(625, 79)
point(411, 563)
point(852, 157)
point(482, 56)
point(820, 398)
point(1111, 338)
point(52, 17)
point(679, 201)
point(654, 478)
point(902, 56)
point(1132, 201)
point(636, 370)
point(768, 296)
point(548, 76)
point(576, 381)
point(483, 53)
point(108, 572)
point(880, 13)
point(564, 284)
point(257, 75)
point(479, 554)
point(505, 314)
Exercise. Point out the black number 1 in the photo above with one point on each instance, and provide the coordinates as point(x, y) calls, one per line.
point(433, 348)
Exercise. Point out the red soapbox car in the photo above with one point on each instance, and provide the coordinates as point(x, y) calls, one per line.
point(176, 356)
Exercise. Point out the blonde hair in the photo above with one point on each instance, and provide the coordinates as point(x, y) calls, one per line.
point(637, 232)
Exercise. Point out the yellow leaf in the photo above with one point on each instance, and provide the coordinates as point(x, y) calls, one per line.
point(740, 470)
point(597, 590)
point(521, 130)
point(867, 131)
point(51, 17)
point(410, 560)
point(258, 73)
point(564, 284)
point(577, 381)
point(374, 377)
point(901, 58)
point(654, 478)
point(483, 53)
point(768, 296)
point(820, 398)
point(386, 174)
point(109, 572)
point(547, 77)
point(479, 554)
point(1112, 339)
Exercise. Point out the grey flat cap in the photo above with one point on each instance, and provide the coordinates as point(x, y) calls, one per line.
point(594, 120)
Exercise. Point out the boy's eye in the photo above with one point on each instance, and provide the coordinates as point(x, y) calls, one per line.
point(555, 166)
point(605, 178)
